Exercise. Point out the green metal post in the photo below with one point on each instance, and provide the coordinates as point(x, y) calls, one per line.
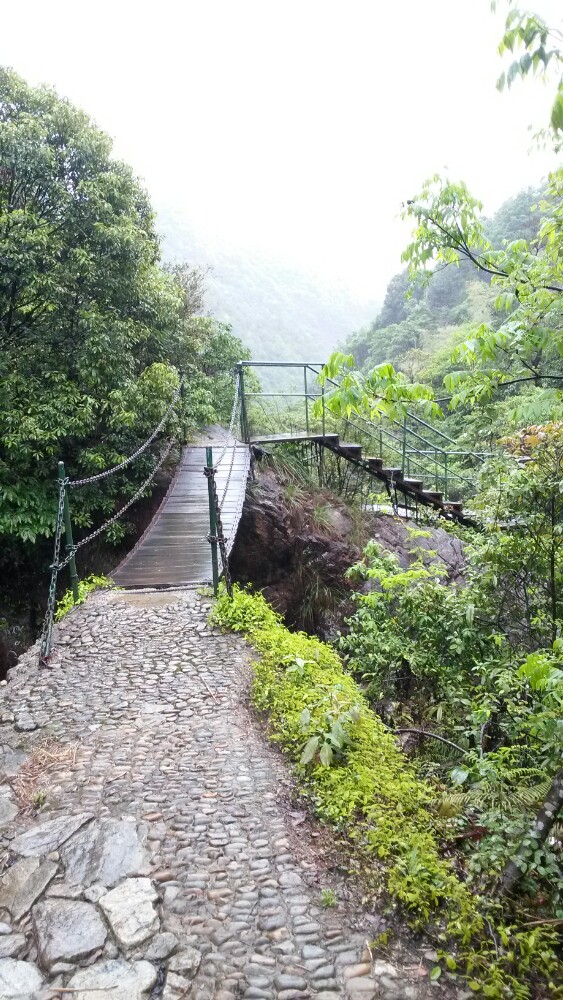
point(306, 399)
point(68, 535)
point(183, 410)
point(403, 463)
point(243, 414)
point(323, 406)
point(445, 475)
point(212, 522)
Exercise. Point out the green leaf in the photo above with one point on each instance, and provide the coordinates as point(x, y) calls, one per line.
point(305, 718)
point(326, 754)
point(459, 775)
point(310, 749)
point(557, 112)
point(435, 973)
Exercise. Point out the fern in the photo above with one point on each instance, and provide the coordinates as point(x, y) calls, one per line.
point(513, 793)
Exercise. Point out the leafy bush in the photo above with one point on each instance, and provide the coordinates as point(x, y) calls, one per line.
point(85, 587)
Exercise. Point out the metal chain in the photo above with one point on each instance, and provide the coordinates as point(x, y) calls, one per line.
point(56, 566)
point(238, 511)
point(117, 515)
point(47, 630)
point(136, 454)
point(232, 421)
point(230, 472)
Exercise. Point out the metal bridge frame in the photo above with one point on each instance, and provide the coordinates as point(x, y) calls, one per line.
point(423, 454)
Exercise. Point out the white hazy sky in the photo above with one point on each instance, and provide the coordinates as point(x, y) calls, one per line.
point(295, 127)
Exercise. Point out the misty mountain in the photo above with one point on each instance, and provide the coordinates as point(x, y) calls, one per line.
point(281, 313)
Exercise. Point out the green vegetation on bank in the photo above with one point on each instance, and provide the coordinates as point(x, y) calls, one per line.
point(365, 787)
point(85, 587)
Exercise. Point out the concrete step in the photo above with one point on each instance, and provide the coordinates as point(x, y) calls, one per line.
point(350, 450)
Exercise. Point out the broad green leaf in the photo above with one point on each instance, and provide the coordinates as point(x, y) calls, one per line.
point(310, 749)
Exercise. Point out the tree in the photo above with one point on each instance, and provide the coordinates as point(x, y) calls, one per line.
point(527, 346)
point(528, 343)
point(94, 333)
point(529, 34)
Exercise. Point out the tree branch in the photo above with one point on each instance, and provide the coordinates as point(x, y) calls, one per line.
point(426, 732)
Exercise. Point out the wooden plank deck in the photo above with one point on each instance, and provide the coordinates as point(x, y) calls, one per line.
point(174, 550)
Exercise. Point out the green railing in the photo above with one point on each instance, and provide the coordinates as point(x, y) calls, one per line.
point(420, 450)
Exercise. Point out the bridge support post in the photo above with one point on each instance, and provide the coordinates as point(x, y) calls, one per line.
point(245, 430)
point(212, 521)
point(68, 536)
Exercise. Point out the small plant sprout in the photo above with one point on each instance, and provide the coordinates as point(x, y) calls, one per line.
point(328, 898)
point(297, 665)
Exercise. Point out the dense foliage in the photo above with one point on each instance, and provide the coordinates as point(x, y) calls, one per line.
point(94, 333)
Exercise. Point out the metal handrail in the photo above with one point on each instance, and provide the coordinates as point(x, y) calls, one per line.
point(419, 420)
point(385, 437)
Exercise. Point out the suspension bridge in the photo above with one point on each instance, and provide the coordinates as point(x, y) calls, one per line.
point(195, 526)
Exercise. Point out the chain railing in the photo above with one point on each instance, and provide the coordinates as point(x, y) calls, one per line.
point(63, 520)
point(216, 536)
point(136, 454)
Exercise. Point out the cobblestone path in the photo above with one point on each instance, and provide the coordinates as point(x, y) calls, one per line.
point(217, 900)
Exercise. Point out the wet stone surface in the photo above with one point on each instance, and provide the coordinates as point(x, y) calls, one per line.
point(174, 842)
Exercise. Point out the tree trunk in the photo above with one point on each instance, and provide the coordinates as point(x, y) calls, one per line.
point(539, 831)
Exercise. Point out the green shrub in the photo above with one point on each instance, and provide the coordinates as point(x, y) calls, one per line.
point(367, 788)
point(85, 587)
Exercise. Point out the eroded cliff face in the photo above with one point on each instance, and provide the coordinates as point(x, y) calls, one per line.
point(295, 545)
point(298, 564)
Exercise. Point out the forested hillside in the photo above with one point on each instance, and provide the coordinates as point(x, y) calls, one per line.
point(418, 320)
point(280, 313)
point(421, 323)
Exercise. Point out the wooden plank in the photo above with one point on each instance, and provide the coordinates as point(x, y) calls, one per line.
point(174, 550)
point(288, 437)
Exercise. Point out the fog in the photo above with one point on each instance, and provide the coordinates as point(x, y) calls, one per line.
point(295, 128)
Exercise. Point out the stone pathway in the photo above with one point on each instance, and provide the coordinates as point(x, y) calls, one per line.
point(163, 862)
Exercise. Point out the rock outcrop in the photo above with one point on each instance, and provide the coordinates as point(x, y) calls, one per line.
point(296, 544)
